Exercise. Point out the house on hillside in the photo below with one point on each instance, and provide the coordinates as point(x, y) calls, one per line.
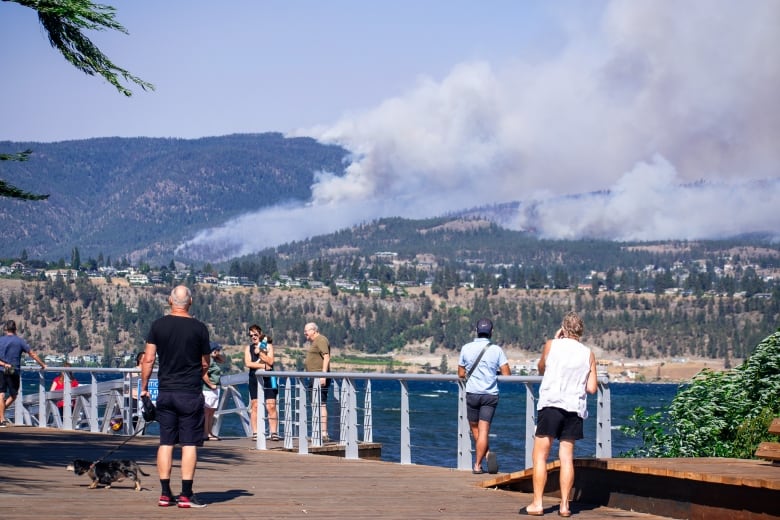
point(67, 275)
point(137, 279)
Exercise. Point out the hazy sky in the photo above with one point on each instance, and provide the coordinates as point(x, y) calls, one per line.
point(670, 109)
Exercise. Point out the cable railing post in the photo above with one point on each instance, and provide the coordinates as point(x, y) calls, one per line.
point(344, 404)
point(604, 419)
point(288, 414)
point(530, 424)
point(41, 400)
point(406, 445)
point(303, 420)
point(67, 404)
point(260, 426)
point(368, 415)
point(464, 431)
point(316, 413)
point(349, 433)
point(94, 425)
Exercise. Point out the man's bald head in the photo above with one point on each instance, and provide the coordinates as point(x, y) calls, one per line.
point(181, 297)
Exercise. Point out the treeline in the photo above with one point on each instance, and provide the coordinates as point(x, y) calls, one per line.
point(450, 252)
point(113, 320)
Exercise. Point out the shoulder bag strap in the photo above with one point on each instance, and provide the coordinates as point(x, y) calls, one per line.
point(476, 362)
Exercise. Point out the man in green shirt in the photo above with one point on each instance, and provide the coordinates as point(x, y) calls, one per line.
point(318, 360)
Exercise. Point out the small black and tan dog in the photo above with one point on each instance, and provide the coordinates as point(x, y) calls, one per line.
point(106, 472)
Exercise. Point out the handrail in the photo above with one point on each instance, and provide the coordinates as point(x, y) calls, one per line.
point(94, 404)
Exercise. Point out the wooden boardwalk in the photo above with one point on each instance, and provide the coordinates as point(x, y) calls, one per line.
point(237, 481)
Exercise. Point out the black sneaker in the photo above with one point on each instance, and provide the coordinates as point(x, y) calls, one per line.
point(186, 502)
point(166, 501)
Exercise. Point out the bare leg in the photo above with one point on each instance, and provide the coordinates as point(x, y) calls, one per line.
point(324, 419)
point(474, 427)
point(541, 451)
point(566, 454)
point(189, 459)
point(165, 461)
point(481, 432)
point(273, 417)
point(253, 415)
point(208, 415)
point(5, 404)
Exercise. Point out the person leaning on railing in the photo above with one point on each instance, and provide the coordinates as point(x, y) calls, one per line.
point(479, 364)
point(11, 349)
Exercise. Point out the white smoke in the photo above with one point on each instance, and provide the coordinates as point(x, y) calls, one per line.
point(658, 97)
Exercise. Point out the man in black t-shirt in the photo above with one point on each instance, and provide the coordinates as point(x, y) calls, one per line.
point(181, 343)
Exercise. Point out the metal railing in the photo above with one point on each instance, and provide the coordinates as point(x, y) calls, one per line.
point(96, 405)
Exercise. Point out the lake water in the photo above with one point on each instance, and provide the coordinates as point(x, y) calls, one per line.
point(433, 419)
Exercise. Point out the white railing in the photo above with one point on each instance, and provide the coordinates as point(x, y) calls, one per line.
point(93, 405)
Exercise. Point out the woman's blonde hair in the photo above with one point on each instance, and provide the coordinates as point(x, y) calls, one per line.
point(572, 325)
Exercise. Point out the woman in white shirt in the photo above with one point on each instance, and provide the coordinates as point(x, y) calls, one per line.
point(569, 370)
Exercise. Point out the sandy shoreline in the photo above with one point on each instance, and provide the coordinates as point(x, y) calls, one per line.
point(670, 370)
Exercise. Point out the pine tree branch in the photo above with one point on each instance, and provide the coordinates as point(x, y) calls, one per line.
point(64, 21)
point(7, 190)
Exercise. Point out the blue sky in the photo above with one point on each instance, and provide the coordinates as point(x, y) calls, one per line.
point(669, 110)
point(241, 66)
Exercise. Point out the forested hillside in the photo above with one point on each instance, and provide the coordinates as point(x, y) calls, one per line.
point(112, 319)
point(139, 197)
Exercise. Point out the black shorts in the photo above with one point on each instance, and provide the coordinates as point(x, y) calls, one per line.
point(181, 418)
point(269, 392)
point(481, 407)
point(559, 424)
point(9, 383)
point(323, 389)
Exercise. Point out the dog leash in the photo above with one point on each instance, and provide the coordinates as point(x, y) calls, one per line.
point(149, 413)
point(117, 448)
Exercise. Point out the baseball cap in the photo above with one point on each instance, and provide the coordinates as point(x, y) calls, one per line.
point(215, 346)
point(484, 326)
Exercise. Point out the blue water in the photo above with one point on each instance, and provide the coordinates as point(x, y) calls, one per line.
point(433, 419)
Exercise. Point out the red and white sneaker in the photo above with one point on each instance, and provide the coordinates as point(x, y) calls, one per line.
point(166, 501)
point(187, 502)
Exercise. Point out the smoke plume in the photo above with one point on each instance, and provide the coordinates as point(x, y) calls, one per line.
point(665, 114)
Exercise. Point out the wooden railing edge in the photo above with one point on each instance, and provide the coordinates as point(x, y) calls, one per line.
point(770, 450)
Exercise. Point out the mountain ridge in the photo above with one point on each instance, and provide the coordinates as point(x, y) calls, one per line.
point(108, 195)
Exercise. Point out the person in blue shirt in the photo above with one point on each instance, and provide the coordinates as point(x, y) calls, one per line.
point(479, 364)
point(11, 349)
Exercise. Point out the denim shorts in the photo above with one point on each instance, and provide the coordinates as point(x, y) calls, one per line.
point(481, 407)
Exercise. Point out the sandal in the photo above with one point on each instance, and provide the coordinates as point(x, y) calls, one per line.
point(214, 438)
point(275, 437)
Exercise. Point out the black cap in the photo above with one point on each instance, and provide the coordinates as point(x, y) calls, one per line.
point(485, 326)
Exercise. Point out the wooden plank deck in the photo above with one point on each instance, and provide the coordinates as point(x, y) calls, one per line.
point(693, 488)
point(238, 482)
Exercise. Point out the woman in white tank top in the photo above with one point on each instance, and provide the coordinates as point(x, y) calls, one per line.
point(569, 370)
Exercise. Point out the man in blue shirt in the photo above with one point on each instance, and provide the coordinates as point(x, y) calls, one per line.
point(11, 348)
point(479, 363)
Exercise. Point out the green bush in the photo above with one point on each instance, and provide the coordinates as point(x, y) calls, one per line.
point(719, 414)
